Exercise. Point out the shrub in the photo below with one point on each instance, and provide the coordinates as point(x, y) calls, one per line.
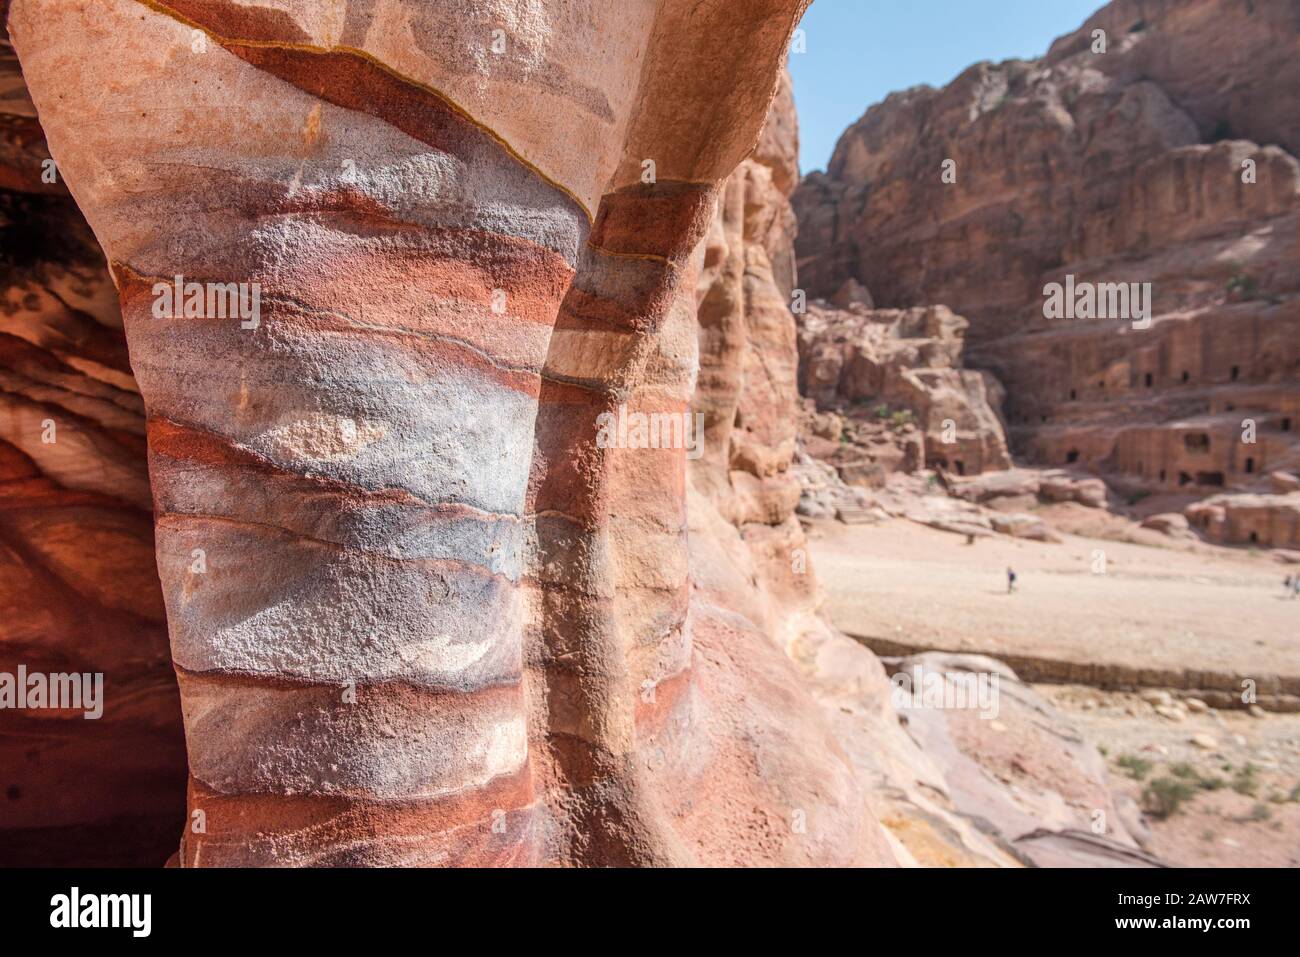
point(1187, 773)
point(1241, 285)
point(1163, 796)
point(1245, 780)
point(1137, 768)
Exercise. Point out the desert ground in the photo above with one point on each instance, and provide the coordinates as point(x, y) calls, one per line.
point(1230, 776)
point(1238, 790)
point(1208, 609)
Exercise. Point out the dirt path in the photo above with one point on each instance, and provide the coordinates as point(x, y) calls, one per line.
point(1153, 608)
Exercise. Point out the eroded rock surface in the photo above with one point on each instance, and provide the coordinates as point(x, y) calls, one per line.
point(420, 612)
point(78, 586)
point(1018, 768)
point(1167, 159)
point(896, 379)
point(406, 642)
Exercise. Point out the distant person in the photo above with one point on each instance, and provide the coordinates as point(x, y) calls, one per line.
point(1288, 587)
point(1011, 580)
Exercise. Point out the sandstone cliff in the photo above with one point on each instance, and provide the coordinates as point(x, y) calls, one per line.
point(896, 379)
point(926, 781)
point(1167, 159)
point(420, 613)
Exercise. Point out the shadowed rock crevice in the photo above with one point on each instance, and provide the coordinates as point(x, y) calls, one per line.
point(78, 585)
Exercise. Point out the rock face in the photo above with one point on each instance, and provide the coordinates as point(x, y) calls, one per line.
point(79, 589)
point(1016, 767)
point(902, 366)
point(1167, 159)
point(427, 601)
point(747, 387)
point(1272, 520)
point(942, 801)
point(433, 595)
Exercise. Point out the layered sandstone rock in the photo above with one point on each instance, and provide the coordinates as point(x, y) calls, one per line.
point(746, 387)
point(1168, 159)
point(887, 370)
point(1013, 763)
point(400, 640)
point(749, 554)
point(78, 586)
point(1269, 520)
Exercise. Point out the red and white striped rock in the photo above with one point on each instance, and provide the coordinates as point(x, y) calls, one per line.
point(419, 614)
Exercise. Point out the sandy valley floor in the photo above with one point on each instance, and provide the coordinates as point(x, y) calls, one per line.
point(1212, 609)
point(1237, 774)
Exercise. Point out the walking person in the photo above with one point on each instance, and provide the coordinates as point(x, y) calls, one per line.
point(1011, 580)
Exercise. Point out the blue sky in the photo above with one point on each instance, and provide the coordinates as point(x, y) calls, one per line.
point(859, 51)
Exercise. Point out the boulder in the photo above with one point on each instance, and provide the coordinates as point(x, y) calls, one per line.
point(1248, 519)
point(1021, 525)
point(1010, 483)
point(1283, 483)
point(1059, 486)
point(1172, 524)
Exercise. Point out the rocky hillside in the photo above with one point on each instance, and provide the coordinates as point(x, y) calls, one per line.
point(1156, 144)
point(899, 372)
